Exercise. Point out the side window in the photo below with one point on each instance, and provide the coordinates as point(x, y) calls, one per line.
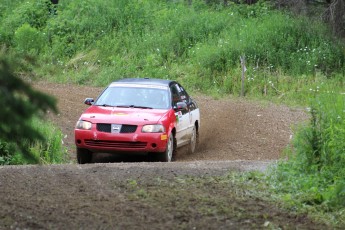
point(184, 95)
point(175, 94)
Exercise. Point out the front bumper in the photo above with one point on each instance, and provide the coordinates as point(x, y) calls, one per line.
point(96, 141)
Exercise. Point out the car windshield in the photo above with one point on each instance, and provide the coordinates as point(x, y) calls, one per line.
point(135, 97)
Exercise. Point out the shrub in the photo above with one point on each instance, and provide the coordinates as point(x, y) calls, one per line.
point(28, 40)
point(32, 12)
point(51, 150)
point(314, 174)
point(6, 152)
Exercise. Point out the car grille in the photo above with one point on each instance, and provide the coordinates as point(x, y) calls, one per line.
point(124, 128)
point(116, 144)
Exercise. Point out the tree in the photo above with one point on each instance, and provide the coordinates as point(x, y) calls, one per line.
point(333, 11)
point(335, 15)
point(19, 102)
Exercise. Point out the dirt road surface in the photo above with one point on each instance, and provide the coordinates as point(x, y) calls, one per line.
point(131, 193)
point(231, 129)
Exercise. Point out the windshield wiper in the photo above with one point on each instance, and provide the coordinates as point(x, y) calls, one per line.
point(105, 105)
point(123, 106)
point(134, 106)
point(141, 107)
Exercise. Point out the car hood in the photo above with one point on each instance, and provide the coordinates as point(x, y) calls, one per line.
point(113, 115)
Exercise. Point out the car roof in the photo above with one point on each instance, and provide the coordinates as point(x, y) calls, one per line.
point(145, 81)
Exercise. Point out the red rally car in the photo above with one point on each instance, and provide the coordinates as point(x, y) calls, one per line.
point(143, 115)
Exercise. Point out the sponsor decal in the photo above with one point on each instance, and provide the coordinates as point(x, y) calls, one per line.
point(119, 114)
point(178, 116)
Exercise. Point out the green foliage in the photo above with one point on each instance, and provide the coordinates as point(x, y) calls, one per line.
point(33, 12)
point(46, 151)
point(314, 174)
point(274, 41)
point(322, 143)
point(28, 40)
point(19, 103)
point(171, 39)
point(6, 152)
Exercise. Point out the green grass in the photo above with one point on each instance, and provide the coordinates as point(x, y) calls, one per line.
point(313, 179)
point(48, 151)
point(95, 42)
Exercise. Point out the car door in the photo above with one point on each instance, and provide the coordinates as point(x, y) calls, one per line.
point(182, 117)
point(192, 116)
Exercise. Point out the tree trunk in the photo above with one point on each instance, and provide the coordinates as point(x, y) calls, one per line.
point(335, 16)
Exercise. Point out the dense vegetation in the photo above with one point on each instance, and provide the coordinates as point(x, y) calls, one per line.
point(24, 137)
point(100, 41)
point(289, 59)
point(312, 178)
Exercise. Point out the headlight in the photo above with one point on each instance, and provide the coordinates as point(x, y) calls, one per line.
point(153, 129)
point(83, 125)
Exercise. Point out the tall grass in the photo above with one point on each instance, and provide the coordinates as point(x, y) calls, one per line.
point(49, 151)
point(94, 42)
point(314, 175)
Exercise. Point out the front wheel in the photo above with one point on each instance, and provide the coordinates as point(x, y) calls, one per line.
point(167, 156)
point(84, 156)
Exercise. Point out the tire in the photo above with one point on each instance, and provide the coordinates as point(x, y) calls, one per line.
point(194, 140)
point(84, 156)
point(169, 153)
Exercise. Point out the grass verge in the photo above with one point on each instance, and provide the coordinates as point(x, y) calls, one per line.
point(49, 151)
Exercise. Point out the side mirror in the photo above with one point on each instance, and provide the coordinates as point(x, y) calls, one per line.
point(180, 106)
point(89, 101)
